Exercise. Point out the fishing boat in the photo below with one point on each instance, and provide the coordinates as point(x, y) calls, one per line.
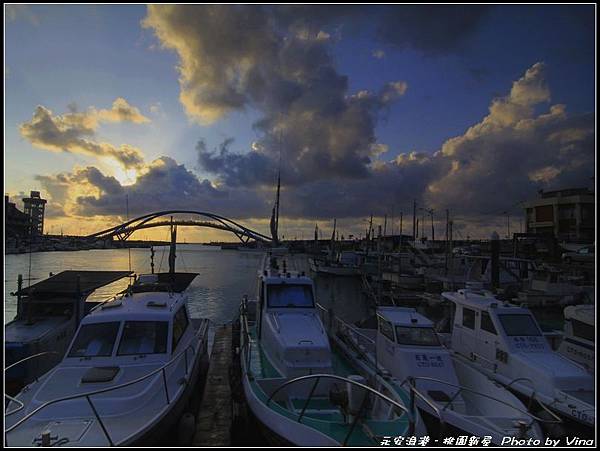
point(48, 313)
point(505, 342)
point(301, 391)
point(578, 342)
point(127, 376)
point(453, 398)
point(333, 268)
point(550, 287)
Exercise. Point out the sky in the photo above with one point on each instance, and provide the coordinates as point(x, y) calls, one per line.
point(470, 109)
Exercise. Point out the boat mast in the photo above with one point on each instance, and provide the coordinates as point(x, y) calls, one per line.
point(275, 213)
point(172, 254)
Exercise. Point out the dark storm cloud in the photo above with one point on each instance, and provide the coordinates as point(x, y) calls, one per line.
point(163, 184)
point(233, 57)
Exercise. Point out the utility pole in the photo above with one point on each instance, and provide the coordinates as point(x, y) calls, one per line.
point(432, 229)
point(414, 220)
point(384, 225)
point(401, 240)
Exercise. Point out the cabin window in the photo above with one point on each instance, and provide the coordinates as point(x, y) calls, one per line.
point(487, 324)
point(519, 325)
point(180, 323)
point(418, 336)
point(386, 329)
point(288, 295)
point(143, 337)
point(582, 330)
point(95, 340)
point(468, 318)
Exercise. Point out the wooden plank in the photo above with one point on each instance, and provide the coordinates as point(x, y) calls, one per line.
point(213, 420)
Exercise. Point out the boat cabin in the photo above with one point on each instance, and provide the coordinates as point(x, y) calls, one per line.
point(48, 313)
point(147, 326)
point(288, 326)
point(579, 342)
point(408, 346)
point(505, 339)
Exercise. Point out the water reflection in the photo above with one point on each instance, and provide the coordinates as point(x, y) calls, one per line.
point(224, 276)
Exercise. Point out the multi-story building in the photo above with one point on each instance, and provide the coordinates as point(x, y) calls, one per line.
point(16, 223)
point(566, 214)
point(34, 206)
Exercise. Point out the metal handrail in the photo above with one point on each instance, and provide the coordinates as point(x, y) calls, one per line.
point(533, 397)
point(15, 400)
point(354, 330)
point(340, 378)
point(414, 391)
point(28, 358)
point(101, 303)
point(107, 389)
point(558, 420)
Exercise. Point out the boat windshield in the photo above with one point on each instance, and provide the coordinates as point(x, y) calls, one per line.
point(144, 337)
point(519, 325)
point(287, 295)
point(95, 340)
point(417, 336)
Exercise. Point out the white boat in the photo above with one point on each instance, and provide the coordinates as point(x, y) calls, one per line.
point(578, 343)
point(505, 342)
point(455, 398)
point(334, 268)
point(48, 313)
point(549, 286)
point(126, 377)
point(299, 389)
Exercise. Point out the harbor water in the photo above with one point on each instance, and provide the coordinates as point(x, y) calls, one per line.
point(224, 275)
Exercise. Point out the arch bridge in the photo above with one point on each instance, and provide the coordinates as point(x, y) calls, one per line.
point(123, 231)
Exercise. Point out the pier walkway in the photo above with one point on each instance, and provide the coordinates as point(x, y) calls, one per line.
point(213, 424)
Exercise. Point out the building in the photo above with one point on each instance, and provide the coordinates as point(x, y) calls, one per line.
point(566, 214)
point(34, 207)
point(16, 223)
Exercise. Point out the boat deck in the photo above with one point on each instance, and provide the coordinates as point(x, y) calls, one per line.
point(213, 424)
point(320, 413)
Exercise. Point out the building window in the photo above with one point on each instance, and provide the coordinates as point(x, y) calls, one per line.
point(545, 213)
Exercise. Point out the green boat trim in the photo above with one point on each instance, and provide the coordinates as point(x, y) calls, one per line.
point(320, 413)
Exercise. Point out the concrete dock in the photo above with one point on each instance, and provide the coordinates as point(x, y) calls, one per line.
point(214, 418)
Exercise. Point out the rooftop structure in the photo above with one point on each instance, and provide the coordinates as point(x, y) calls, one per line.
point(567, 214)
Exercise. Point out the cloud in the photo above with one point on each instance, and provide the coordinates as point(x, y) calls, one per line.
point(268, 59)
point(513, 152)
point(121, 111)
point(379, 54)
point(75, 132)
point(162, 184)
point(237, 57)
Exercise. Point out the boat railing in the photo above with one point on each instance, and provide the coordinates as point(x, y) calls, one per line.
point(26, 359)
point(411, 381)
point(318, 377)
point(88, 395)
point(532, 395)
point(246, 344)
point(106, 301)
